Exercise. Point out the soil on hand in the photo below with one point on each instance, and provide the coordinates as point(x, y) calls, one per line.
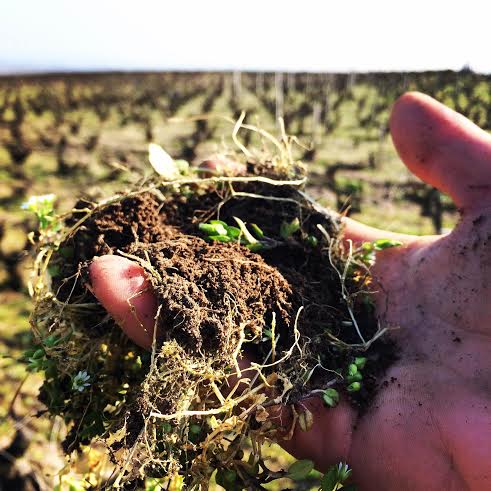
point(210, 292)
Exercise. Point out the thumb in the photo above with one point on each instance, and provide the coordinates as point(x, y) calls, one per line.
point(358, 233)
point(124, 291)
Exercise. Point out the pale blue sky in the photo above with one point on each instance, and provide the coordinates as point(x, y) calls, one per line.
point(317, 35)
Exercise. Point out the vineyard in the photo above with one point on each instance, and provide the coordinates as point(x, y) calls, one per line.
point(76, 134)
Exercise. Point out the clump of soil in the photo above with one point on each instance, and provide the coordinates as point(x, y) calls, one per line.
point(209, 292)
point(176, 411)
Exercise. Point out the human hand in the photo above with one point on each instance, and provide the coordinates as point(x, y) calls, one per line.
point(430, 428)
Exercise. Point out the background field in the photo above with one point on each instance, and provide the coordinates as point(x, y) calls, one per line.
point(71, 134)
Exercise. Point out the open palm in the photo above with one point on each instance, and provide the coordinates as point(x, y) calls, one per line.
point(430, 426)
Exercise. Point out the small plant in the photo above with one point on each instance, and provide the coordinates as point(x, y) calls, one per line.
point(312, 241)
point(219, 231)
point(36, 358)
point(43, 208)
point(368, 250)
point(335, 477)
point(354, 376)
point(287, 229)
point(330, 397)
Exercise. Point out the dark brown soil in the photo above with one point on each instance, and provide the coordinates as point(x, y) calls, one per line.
point(210, 291)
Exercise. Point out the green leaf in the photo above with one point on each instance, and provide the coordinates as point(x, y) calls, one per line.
point(352, 369)
point(257, 231)
point(39, 353)
point(28, 353)
point(300, 469)
point(288, 229)
point(354, 387)
point(207, 228)
point(343, 471)
point(219, 222)
point(369, 248)
point(381, 244)
point(213, 228)
point(233, 232)
point(357, 377)
point(335, 476)
point(312, 241)
point(360, 362)
point(330, 397)
point(51, 341)
point(330, 479)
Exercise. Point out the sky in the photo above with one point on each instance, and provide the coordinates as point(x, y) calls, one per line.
point(301, 35)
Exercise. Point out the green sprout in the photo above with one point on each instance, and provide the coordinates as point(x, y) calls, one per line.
point(335, 477)
point(287, 229)
point(354, 387)
point(36, 359)
point(330, 397)
point(257, 231)
point(354, 374)
point(215, 227)
point(357, 377)
point(312, 241)
point(352, 369)
point(43, 208)
point(251, 236)
point(219, 231)
point(51, 341)
point(81, 381)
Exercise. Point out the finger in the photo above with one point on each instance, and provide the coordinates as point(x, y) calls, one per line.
point(125, 292)
point(443, 148)
point(359, 233)
point(336, 422)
